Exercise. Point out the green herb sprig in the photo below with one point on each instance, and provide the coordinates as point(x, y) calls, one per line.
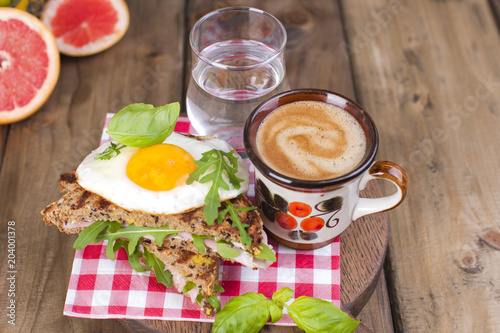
point(128, 238)
point(211, 167)
point(233, 212)
point(112, 151)
point(251, 311)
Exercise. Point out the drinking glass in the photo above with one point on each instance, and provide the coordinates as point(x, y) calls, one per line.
point(237, 63)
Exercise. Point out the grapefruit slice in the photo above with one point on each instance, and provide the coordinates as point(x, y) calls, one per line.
point(29, 64)
point(85, 27)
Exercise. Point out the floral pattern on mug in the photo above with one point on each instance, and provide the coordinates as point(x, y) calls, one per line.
point(299, 217)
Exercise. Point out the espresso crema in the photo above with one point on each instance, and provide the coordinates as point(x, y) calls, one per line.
point(311, 140)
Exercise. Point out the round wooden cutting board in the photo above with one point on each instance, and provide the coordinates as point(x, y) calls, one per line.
point(362, 251)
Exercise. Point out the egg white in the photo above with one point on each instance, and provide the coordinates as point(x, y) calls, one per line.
point(108, 178)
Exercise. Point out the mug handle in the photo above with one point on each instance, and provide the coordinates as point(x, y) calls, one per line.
point(381, 170)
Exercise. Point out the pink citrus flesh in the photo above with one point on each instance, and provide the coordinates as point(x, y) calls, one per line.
point(29, 64)
point(85, 27)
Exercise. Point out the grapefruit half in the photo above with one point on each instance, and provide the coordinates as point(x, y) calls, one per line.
point(85, 27)
point(29, 64)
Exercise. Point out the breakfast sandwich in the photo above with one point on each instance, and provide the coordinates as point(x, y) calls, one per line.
point(175, 202)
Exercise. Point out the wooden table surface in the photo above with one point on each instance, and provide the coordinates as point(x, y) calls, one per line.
point(427, 71)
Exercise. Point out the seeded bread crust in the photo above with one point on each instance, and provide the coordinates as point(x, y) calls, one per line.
point(201, 269)
point(80, 206)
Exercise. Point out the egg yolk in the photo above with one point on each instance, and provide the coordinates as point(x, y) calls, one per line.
point(160, 167)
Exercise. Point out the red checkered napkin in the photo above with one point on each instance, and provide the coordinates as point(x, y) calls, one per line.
point(100, 288)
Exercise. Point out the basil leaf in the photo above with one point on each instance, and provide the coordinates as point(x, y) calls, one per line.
point(190, 285)
point(225, 251)
point(246, 313)
point(276, 310)
point(283, 295)
point(142, 125)
point(315, 316)
point(266, 253)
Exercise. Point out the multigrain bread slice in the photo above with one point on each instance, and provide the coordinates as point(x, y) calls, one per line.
point(188, 266)
point(79, 208)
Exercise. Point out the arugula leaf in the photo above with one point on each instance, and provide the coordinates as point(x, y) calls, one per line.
point(225, 251)
point(142, 125)
point(133, 234)
point(133, 258)
point(214, 301)
point(218, 288)
point(108, 152)
point(245, 238)
point(246, 313)
point(198, 242)
point(89, 234)
point(316, 315)
point(162, 276)
point(266, 253)
point(212, 166)
point(199, 298)
point(190, 285)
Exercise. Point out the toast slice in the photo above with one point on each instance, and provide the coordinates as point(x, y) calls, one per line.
point(200, 270)
point(79, 208)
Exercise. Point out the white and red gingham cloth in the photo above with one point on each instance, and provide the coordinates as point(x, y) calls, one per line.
point(100, 288)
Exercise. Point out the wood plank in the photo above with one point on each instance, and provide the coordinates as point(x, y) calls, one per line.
point(428, 72)
point(4, 130)
point(145, 66)
point(372, 316)
point(495, 6)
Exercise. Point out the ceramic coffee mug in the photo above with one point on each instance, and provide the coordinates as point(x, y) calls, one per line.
point(307, 213)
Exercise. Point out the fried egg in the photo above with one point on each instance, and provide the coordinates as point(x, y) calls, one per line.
point(153, 179)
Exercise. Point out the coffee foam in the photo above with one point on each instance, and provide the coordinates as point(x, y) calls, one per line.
point(311, 140)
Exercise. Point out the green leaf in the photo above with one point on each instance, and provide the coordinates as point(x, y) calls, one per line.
point(225, 251)
point(211, 167)
point(266, 253)
point(112, 151)
point(199, 298)
point(198, 242)
point(245, 238)
point(89, 234)
point(133, 234)
point(246, 313)
point(162, 276)
point(190, 285)
point(276, 310)
point(142, 125)
point(214, 301)
point(283, 295)
point(316, 316)
point(133, 258)
point(218, 288)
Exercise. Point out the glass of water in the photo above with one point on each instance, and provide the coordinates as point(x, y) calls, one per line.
point(237, 63)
